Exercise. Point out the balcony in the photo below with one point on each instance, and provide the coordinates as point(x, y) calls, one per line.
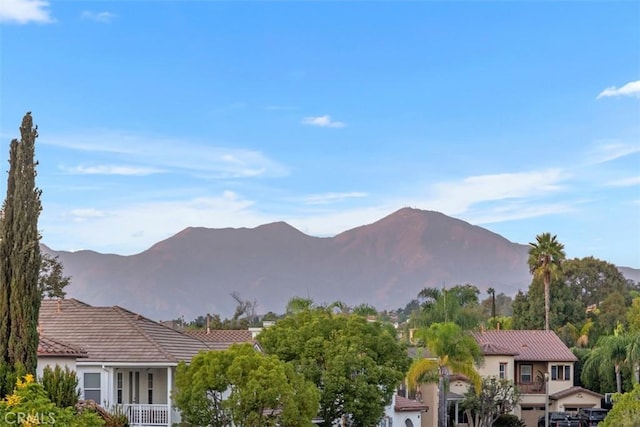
point(531, 388)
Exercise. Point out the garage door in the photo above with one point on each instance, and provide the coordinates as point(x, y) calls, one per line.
point(530, 416)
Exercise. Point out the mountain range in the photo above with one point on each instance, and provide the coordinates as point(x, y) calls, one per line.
point(384, 264)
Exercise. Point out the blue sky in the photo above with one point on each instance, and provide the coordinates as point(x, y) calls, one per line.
point(521, 117)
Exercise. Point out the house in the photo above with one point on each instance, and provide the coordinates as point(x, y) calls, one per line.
point(522, 356)
point(53, 352)
point(121, 358)
point(403, 412)
point(540, 364)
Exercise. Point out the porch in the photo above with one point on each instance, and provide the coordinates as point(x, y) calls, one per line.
point(143, 415)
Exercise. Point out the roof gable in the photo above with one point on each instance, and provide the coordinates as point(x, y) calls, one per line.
point(526, 345)
point(114, 334)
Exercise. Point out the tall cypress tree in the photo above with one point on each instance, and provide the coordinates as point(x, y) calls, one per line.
point(20, 261)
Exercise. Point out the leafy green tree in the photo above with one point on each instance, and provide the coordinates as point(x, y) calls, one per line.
point(365, 310)
point(625, 411)
point(592, 280)
point(20, 260)
point(613, 312)
point(458, 304)
point(355, 364)
point(495, 397)
point(52, 280)
point(243, 387)
point(545, 258)
point(633, 315)
point(529, 309)
point(298, 304)
point(453, 351)
point(503, 303)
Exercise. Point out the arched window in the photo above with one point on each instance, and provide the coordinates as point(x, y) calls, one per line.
point(408, 423)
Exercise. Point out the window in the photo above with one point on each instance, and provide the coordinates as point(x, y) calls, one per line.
point(526, 374)
point(91, 387)
point(150, 387)
point(561, 372)
point(503, 371)
point(119, 387)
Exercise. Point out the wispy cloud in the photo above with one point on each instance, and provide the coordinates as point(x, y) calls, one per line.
point(457, 197)
point(25, 11)
point(323, 121)
point(166, 154)
point(111, 170)
point(102, 17)
point(606, 151)
point(328, 198)
point(625, 182)
point(630, 89)
point(80, 215)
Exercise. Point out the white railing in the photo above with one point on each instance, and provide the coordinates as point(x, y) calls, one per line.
point(146, 415)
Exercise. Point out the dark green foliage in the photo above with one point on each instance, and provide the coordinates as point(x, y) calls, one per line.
point(508, 420)
point(61, 386)
point(458, 304)
point(117, 418)
point(243, 387)
point(20, 258)
point(355, 364)
point(52, 280)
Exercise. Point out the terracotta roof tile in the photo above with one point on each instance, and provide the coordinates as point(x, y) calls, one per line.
point(403, 404)
point(528, 345)
point(114, 334)
point(48, 346)
point(222, 339)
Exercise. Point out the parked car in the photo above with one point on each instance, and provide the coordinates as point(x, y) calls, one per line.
point(560, 419)
point(591, 417)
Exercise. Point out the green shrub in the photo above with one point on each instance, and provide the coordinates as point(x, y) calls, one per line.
point(29, 405)
point(61, 386)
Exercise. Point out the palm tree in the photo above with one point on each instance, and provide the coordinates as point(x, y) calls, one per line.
point(452, 350)
point(610, 354)
point(545, 258)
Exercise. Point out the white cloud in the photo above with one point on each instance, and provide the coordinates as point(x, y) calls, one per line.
point(625, 182)
point(630, 89)
point(322, 121)
point(102, 17)
point(160, 153)
point(456, 197)
point(111, 170)
point(25, 11)
point(606, 151)
point(327, 198)
point(80, 215)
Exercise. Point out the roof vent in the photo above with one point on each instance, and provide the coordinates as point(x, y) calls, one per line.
point(59, 306)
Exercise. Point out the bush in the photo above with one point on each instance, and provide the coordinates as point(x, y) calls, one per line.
point(29, 405)
point(61, 386)
point(509, 420)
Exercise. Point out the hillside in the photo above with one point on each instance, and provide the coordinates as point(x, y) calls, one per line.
point(384, 264)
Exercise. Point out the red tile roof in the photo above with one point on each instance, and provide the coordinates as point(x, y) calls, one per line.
point(528, 345)
point(114, 334)
point(49, 347)
point(403, 404)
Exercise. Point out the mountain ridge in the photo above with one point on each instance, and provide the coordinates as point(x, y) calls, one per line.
point(384, 263)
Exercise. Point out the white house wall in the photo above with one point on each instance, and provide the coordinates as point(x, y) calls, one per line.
point(63, 362)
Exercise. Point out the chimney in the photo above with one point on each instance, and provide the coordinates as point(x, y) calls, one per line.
point(208, 325)
point(498, 326)
point(59, 306)
point(482, 328)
